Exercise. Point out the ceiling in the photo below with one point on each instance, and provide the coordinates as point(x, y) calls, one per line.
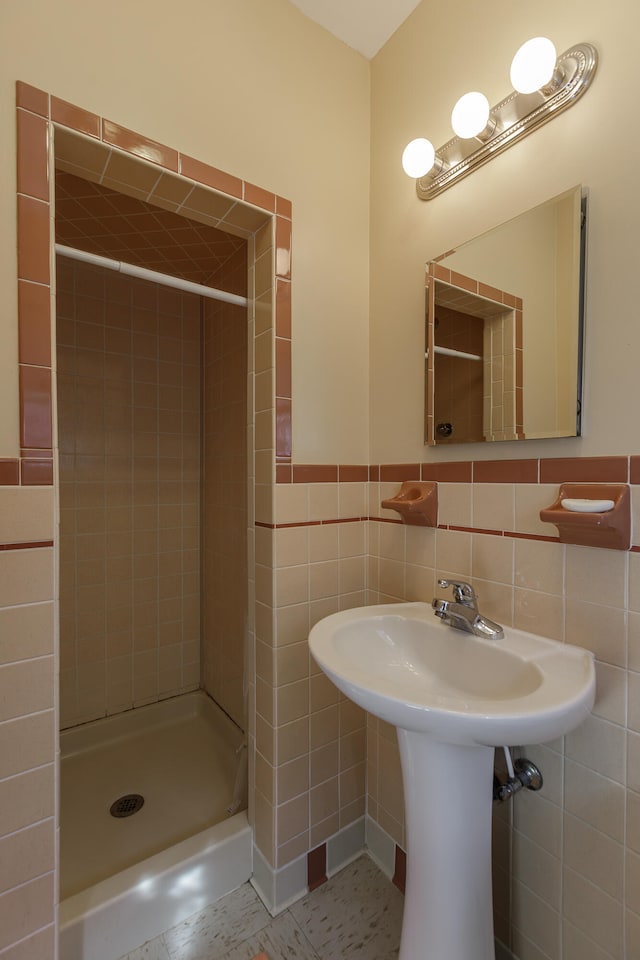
point(365, 25)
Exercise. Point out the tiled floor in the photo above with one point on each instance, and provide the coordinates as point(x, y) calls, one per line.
point(355, 914)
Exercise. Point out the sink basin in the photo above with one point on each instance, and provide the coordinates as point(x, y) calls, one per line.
point(453, 697)
point(402, 664)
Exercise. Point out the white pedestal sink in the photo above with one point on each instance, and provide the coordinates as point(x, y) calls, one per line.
point(453, 697)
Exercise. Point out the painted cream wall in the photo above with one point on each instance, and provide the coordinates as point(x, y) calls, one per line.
point(258, 90)
point(416, 79)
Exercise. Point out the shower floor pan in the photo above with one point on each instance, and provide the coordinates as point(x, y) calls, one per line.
point(127, 879)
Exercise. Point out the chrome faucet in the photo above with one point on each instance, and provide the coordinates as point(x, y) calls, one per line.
point(462, 612)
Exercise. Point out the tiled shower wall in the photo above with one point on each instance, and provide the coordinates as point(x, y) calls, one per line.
point(566, 859)
point(129, 429)
point(224, 494)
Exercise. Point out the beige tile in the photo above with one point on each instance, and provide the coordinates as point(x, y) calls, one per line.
point(596, 575)
point(26, 909)
point(323, 727)
point(292, 624)
point(539, 566)
point(292, 740)
point(540, 820)
point(539, 613)
point(324, 800)
point(351, 575)
point(323, 542)
point(493, 506)
point(292, 663)
point(26, 576)
point(599, 629)
point(27, 854)
point(292, 585)
point(453, 554)
point(323, 501)
point(420, 546)
point(292, 546)
point(577, 946)
point(351, 539)
point(534, 919)
point(596, 799)
point(530, 499)
point(28, 687)
point(26, 799)
point(263, 826)
point(292, 779)
point(599, 745)
point(26, 513)
point(594, 912)
point(323, 580)
point(27, 742)
point(537, 869)
point(454, 503)
point(291, 503)
point(26, 631)
point(492, 558)
point(391, 544)
point(39, 946)
point(292, 702)
point(594, 856)
point(323, 763)
point(611, 693)
point(352, 500)
point(352, 784)
point(292, 818)
point(322, 693)
point(632, 930)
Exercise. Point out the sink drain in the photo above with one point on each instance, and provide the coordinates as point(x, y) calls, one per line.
point(126, 806)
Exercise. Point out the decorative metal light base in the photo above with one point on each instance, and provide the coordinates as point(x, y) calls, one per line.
point(512, 119)
point(448, 910)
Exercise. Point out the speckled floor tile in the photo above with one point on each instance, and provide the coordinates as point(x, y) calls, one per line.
point(357, 913)
point(281, 940)
point(209, 935)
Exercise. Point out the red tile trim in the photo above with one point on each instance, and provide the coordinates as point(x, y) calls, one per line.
point(283, 367)
point(283, 428)
point(317, 866)
point(505, 471)
point(210, 176)
point(400, 869)
point(585, 470)
point(311, 473)
point(284, 207)
point(33, 159)
point(283, 308)
point(454, 472)
point(30, 98)
point(284, 473)
point(399, 471)
point(33, 240)
point(353, 473)
point(259, 197)
point(34, 324)
point(634, 469)
point(283, 247)
point(35, 407)
point(28, 545)
point(68, 115)
point(139, 146)
point(9, 472)
point(36, 473)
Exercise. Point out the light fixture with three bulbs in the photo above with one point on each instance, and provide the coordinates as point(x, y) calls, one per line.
point(543, 85)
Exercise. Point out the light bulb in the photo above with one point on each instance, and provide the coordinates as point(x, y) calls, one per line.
point(533, 65)
point(418, 157)
point(470, 115)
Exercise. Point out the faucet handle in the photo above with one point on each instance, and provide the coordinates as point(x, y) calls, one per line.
point(462, 592)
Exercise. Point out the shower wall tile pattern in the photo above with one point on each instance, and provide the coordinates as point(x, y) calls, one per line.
point(224, 493)
point(129, 431)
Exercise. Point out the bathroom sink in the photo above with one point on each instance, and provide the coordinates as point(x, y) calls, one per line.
point(402, 664)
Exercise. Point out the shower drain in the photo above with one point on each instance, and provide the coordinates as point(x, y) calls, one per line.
point(126, 806)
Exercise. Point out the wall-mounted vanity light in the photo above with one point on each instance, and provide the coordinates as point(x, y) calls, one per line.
point(543, 86)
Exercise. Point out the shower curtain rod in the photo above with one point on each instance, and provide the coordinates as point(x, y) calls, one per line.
point(130, 270)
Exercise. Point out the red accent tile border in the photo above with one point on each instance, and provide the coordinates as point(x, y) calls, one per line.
point(400, 869)
point(28, 545)
point(34, 109)
point(317, 866)
point(585, 470)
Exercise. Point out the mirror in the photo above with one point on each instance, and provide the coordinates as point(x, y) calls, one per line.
point(504, 324)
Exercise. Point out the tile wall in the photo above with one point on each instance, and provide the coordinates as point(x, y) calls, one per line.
point(27, 722)
point(103, 152)
point(128, 394)
point(225, 493)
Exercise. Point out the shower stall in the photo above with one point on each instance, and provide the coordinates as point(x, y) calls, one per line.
point(152, 433)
